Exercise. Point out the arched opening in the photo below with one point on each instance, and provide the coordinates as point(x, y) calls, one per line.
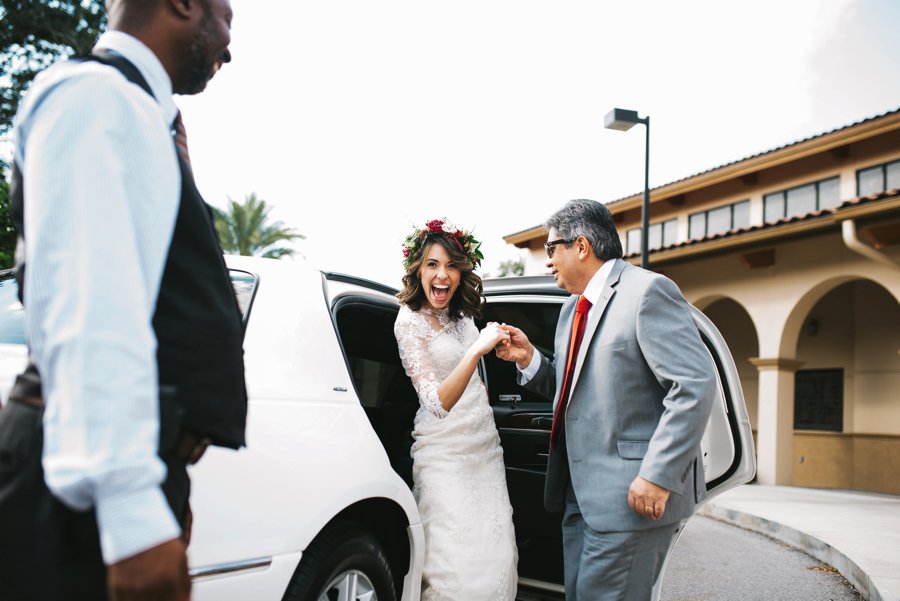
point(847, 390)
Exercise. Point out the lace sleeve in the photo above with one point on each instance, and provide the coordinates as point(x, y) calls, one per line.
point(413, 334)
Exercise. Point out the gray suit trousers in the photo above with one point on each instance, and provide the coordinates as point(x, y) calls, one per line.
point(610, 566)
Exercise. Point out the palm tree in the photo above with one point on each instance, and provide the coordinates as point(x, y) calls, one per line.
point(243, 230)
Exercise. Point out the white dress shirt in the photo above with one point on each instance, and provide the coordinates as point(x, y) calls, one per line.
point(103, 187)
point(592, 292)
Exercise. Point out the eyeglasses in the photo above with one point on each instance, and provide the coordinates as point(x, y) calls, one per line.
point(550, 247)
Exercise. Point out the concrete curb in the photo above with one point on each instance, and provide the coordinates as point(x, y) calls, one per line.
point(868, 587)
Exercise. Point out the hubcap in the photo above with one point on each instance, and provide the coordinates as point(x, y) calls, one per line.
point(351, 585)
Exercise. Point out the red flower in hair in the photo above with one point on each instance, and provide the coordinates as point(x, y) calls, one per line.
point(440, 227)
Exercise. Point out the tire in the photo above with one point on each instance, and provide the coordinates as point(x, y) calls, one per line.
point(343, 558)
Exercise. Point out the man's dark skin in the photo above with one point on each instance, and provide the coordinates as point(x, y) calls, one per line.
point(190, 38)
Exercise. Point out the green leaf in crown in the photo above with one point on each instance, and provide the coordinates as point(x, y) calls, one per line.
point(441, 227)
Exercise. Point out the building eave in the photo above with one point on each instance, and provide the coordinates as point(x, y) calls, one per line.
point(824, 142)
point(879, 207)
point(525, 238)
point(773, 158)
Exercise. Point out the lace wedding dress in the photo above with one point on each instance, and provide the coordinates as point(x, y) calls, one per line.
point(459, 479)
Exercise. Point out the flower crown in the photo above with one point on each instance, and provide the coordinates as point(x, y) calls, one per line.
point(441, 227)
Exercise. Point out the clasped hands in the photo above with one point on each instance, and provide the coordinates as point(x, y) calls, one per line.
point(516, 347)
point(644, 497)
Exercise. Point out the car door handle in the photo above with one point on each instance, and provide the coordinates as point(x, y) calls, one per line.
point(542, 422)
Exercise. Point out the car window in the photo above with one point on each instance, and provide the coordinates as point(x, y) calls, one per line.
point(367, 336)
point(538, 321)
point(12, 316)
point(244, 284)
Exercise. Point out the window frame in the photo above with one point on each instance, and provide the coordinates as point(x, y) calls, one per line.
point(883, 168)
point(672, 222)
point(782, 195)
point(832, 378)
point(628, 235)
point(244, 296)
point(705, 213)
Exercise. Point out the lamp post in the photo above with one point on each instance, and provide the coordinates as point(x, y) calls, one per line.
point(623, 120)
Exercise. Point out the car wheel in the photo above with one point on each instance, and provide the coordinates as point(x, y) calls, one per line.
point(344, 563)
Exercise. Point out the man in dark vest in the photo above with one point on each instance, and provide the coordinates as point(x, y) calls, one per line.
point(134, 332)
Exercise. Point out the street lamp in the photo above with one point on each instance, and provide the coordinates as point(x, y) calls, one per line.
point(623, 120)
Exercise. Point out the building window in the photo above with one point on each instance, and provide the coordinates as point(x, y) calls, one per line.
point(873, 180)
point(719, 220)
point(819, 399)
point(663, 233)
point(633, 241)
point(802, 200)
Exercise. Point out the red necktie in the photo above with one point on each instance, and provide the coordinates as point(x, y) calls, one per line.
point(181, 139)
point(559, 418)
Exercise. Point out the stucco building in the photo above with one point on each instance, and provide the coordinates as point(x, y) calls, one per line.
point(794, 253)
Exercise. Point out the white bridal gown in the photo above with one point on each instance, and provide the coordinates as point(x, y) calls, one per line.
point(458, 476)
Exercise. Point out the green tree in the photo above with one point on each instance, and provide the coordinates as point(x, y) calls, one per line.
point(509, 268)
point(36, 33)
point(33, 35)
point(8, 233)
point(244, 230)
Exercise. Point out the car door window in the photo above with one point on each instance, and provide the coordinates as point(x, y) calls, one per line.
point(538, 321)
point(244, 284)
point(727, 445)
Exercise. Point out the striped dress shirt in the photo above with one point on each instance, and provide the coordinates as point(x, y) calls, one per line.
point(102, 190)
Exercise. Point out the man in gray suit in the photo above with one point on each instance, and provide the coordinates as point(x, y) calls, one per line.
point(629, 413)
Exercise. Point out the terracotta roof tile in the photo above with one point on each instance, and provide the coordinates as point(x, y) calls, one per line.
point(860, 200)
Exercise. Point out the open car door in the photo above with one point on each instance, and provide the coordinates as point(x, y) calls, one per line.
point(524, 419)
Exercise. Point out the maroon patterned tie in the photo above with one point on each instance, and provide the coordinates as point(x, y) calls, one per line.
point(181, 139)
point(559, 418)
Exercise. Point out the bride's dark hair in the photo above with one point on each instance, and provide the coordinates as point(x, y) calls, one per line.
point(466, 302)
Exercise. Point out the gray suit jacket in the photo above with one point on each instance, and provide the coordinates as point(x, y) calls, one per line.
point(641, 396)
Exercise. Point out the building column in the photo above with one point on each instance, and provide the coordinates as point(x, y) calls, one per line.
point(775, 419)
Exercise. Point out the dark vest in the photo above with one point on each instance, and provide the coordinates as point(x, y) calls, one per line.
point(197, 321)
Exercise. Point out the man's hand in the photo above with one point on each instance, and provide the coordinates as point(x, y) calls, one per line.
point(647, 499)
point(517, 349)
point(157, 574)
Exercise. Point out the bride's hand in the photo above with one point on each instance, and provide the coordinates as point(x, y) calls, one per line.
point(489, 338)
point(518, 349)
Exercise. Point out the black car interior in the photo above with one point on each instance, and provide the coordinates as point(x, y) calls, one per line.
point(366, 329)
point(387, 395)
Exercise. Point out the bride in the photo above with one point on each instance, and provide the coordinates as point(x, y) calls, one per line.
point(458, 475)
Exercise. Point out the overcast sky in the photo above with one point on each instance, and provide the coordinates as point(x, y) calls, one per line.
point(356, 119)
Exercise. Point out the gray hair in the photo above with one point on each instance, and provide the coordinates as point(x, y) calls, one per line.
point(591, 219)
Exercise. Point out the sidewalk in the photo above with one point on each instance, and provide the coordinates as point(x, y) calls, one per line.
point(857, 533)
